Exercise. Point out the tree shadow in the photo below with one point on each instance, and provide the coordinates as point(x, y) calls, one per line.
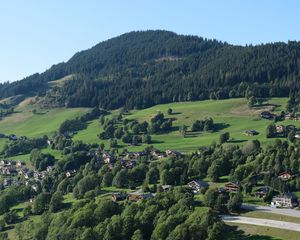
point(192, 134)
point(174, 129)
point(172, 118)
point(66, 205)
point(220, 126)
point(156, 141)
point(40, 113)
point(237, 141)
point(175, 113)
point(233, 233)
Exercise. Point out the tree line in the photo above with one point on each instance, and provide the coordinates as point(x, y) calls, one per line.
point(142, 69)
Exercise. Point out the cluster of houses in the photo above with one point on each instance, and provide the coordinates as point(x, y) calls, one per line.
point(280, 129)
point(284, 116)
point(292, 116)
point(133, 197)
point(285, 200)
point(129, 159)
point(198, 185)
point(271, 116)
point(16, 173)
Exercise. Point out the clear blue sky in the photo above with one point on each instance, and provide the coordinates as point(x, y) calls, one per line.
point(36, 34)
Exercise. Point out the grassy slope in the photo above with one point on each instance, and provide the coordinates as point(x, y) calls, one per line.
point(251, 232)
point(233, 112)
point(44, 122)
point(272, 216)
point(24, 122)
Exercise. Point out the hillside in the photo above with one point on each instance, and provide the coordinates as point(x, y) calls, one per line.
point(230, 115)
point(142, 69)
point(60, 203)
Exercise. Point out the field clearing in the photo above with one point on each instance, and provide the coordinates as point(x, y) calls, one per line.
point(44, 122)
point(231, 115)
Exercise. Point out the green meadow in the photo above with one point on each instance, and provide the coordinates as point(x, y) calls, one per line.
point(231, 115)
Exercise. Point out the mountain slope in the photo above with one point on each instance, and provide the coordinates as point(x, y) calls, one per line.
point(141, 69)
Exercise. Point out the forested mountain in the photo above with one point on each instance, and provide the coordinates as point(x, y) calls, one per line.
point(141, 69)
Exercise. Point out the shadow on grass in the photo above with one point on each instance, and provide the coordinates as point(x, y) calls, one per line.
point(220, 126)
point(40, 113)
point(156, 141)
point(175, 113)
point(192, 134)
point(233, 233)
point(237, 141)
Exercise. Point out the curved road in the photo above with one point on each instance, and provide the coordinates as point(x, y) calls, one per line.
point(281, 211)
point(262, 222)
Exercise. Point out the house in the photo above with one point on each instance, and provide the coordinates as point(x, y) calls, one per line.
point(37, 176)
point(251, 132)
point(28, 174)
point(280, 129)
point(12, 137)
point(138, 195)
point(135, 155)
point(108, 158)
point(70, 173)
point(3, 162)
point(287, 200)
point(118, 197)
point(110, 166)
point(35, 187)
point(9, 170)
point(49, 142)
point(285, 176)
point(156, 154)
point(172, 153)
point(297, 135)
point(232, 186)
point(19, 164)
point(166, 188)
point(128, 163)
point(7, 182)
point(289, 116)
point(266, 115)
point(262, 192)
point(197, 185)
point(50, 168)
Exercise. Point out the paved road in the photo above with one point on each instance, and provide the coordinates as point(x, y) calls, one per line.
point(262, 222)
point(281, 211)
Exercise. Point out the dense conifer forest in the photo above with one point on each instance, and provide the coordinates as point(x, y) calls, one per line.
point(141, 69)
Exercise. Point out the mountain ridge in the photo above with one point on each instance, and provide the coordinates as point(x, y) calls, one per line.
point(123, 71)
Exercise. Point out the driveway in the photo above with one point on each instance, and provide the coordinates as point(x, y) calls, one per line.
point(281, 211)
point(262, 222)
